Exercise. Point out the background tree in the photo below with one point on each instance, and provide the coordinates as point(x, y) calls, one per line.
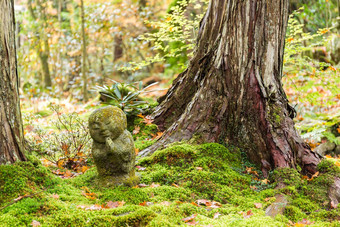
point(232, 92)
point(11, 130)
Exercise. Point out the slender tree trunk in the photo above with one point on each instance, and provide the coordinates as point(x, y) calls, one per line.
point(43, 48)
point(232, 91)
point(11, 130)
point(83, 71)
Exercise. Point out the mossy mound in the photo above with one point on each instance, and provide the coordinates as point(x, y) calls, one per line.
point(172, 182)
point(23, 178)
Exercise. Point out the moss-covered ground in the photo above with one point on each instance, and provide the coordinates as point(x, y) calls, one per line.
point(173, 182)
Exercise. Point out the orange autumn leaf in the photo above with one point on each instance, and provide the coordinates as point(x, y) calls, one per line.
point(84, 169)
point(175, 185)
point(290, 39)
point(157, 136)
point(328, 156)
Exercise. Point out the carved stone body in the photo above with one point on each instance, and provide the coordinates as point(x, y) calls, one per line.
point(113, 148)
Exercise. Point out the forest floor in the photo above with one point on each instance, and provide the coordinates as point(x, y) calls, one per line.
point(185, 184)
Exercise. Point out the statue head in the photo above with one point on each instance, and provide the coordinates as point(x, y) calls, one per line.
point(107, 122)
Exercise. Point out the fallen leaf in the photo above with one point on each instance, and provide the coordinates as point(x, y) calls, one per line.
point(136, 130)
point(248, 214)
point(258, 205)
point(265, 181)
point(137, 151)
point(84, 169)
point(165, 203)
point(147, 120)
point(199, 168)
point(143, 203)
point(141, 168)
point(19, 198)
point(35, 223)
point(143, 185)
point(195, 204)
point(55, 196)
point(68, 174)
point(94, 207)
point(111, 204)
point(157, 136)
point(153, 185)
point(267, 199)
point(333, 206)
point(175, 185)
point(216, 215)
point(190, 218)
point(192, 223)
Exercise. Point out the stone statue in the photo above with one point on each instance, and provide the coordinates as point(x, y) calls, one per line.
point(113, 148)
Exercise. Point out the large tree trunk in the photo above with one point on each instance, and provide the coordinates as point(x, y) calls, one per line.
point(11, 131)
point(232, 91)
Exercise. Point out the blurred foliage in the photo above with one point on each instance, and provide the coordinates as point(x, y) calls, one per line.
point(125, 96)
point(174, 36)
point(311, 78)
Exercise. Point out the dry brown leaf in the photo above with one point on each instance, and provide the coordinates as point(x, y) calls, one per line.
point(192, 222)
point(175, 185)
point(265, 181)
point(195, 204)
point(84, 169)
point(153, 185)
point(247, 215)
point(258, 205)
point(136, 130)
point(19, 198)
point(165, 203)
point(55, 196)
point(216, 215)
point(190, 218)
point(199, 168)
point(35, 223)
point(94, 207)
point(148, 120)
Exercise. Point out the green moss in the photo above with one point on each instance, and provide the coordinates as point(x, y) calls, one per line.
point(305, 204)
point(287, 176)
point(185, 173)
point(328, 166)
point(23, 178)
point(120, 193)
point(294, 213)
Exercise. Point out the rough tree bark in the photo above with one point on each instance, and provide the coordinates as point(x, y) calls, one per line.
point(232, 92)
point(11, 130)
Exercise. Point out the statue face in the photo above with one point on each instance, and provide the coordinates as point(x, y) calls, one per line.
point(107, 122)
point(104, 128)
